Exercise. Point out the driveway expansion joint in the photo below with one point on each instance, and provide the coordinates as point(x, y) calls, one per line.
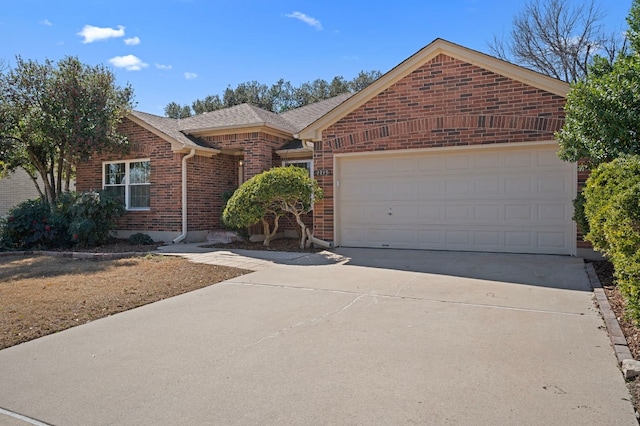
point(22, 417)
point(415, 298)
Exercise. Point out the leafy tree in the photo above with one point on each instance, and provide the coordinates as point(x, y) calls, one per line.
point(271, 194)
point(250, 92)
point(246, 207)
point(294, 191)
point(210, 103)
point(557, 39)
point(603, 111)
point(363, 79)
point(279, 97)
point(54, 115)
point(282, 95)
point(175, 110)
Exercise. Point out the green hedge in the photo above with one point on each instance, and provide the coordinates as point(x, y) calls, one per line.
point(612, 207)
point(84, 219)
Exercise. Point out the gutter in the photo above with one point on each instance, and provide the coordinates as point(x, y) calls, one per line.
point(184, 196)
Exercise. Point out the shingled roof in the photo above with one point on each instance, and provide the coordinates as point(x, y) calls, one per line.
point(243, 115)
point(183, 133)
point(168, 127)
point(303, 116)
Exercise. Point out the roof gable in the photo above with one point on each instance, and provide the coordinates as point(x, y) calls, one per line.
point(169, 130)
point(235, 117)
point(426, 54)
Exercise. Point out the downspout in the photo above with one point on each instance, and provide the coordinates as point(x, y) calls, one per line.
point(321, 243)
point(184, 196)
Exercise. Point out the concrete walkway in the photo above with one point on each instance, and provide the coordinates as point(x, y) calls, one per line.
point(380, 337)
point(251, 260)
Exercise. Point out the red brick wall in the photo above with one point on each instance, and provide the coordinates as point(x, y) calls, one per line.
point(207, 179)
point(257, 148)
point(446, 102)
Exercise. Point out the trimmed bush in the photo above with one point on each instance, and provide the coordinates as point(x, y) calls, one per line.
point(93, 216)
point(140, 239)
point(612, 206)
point(77, 218)
point(32, 225)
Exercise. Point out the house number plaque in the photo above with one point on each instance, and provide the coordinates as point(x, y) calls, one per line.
point(323, 172)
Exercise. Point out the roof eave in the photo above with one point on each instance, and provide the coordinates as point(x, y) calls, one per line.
point(176, 145)
point(240, 128)
point(297, 152)
point(200, 150)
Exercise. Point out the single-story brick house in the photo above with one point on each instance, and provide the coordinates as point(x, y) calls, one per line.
point(450, 150)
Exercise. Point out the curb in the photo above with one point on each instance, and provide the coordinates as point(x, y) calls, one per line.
point(76, 255)
point(618, 341)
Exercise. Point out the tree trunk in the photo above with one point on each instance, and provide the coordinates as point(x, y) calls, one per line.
point(35, 182)
point(269, 234)
point(309, 236)
point(303, 229)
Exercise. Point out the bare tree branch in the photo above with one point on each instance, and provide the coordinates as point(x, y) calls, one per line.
point(557, 38)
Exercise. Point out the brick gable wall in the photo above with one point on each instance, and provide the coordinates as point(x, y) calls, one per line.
point(257, 148)
point(444, 103)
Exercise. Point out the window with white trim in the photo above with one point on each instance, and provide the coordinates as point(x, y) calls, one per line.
point(305, 164)
point(129, 180)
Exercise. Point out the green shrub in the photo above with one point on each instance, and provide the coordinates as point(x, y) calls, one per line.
point(78, 218)
point(612, 206)
point(140, 239)
point(32, 225)
point(92, 217)
point(579, 216)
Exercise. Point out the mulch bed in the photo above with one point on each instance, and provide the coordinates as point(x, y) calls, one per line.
point(281, 244)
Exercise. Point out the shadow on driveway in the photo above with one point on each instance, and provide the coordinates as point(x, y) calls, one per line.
point(562, 272)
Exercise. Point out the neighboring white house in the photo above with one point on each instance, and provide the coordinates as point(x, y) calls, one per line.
point(14, 189)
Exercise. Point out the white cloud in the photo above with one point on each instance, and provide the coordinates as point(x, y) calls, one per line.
point(306, 19)
point(46, 22)
point(163, 67)
point(190, 75)
point(91, 33)
point(133, 41)
point(129, 62)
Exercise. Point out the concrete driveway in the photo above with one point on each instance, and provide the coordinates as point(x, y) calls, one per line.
point(383, 337)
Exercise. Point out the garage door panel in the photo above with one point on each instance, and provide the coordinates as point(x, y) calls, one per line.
point(458, 185)
point(488, 161)
point(428, 187)
point(519, 185)
point(553, 184)
point(458, 162)
point(488, 185)
point(519, 159)
point(518, 212)
point(429, 165)
point(511, 200)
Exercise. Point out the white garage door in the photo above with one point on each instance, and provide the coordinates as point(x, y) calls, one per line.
point(512, 199)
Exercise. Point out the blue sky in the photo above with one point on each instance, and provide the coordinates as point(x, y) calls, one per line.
point(181, 50)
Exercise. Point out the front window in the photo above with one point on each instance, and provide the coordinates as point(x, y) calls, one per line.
point(305, 164)
point(129, 180)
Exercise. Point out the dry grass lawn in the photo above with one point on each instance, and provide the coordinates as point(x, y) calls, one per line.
point(40, 295)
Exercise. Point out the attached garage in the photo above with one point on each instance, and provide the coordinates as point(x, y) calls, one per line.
point(507, 198)
point(450, 150)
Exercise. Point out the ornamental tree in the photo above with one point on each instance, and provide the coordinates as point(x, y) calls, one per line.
point(603, 111)
point(54, 115)
point(272, 194)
